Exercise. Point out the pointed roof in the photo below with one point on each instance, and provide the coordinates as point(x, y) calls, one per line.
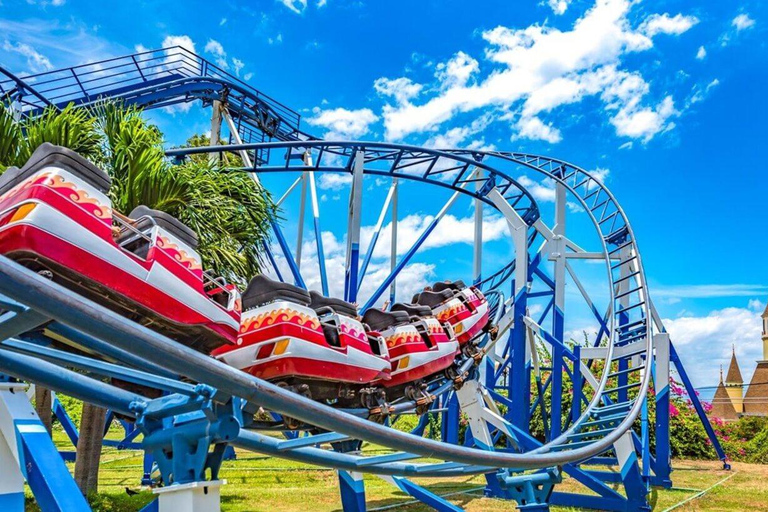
point(734, 374)
point(722, 407)
point(765, 313)
point(756, 399)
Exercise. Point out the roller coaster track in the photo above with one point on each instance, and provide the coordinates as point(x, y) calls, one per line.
point(573, 445)
point(162, 78)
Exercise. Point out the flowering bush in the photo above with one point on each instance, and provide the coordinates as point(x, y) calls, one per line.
point(743, 440)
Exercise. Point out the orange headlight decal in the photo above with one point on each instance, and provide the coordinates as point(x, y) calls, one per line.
point(22, 211)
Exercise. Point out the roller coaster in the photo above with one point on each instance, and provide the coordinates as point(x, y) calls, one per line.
point(504, 365)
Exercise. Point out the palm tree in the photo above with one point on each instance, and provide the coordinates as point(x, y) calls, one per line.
point(229, 212)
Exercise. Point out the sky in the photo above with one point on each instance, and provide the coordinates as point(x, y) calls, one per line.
point(664, 100)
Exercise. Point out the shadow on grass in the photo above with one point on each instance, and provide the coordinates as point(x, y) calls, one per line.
point(459, 494)
point(108, 502)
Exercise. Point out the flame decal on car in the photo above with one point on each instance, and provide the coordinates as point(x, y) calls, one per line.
point(277, 316)
point(447, 313)
point(178, 254)
point(79, 196)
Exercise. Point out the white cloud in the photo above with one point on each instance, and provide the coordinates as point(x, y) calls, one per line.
point(702, 291)
point(321, 3)
point(702, 53)
point(297, 6)
point(704, 342)
point(559, 6)
point(223, 22)
point(457, 136)
point(743, 22)
point(666, 24)
point(275, 40)
point(183, 41)
point(237, 65)
point(700, 92)
point(402, 89)
point(217, 50)
point(36, 61)
point(544, 68)
point(600, 174)
point(343, 124)
point(756, 305)
point(334, 181)
point(533, 128)
point(541, 191)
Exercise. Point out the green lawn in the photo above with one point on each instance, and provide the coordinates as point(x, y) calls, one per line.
point(259, 483)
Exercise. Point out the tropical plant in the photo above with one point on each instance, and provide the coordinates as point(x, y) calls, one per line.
point(228, 210)
point(70, 127)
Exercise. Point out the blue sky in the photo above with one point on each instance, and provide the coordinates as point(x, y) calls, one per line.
point(665, 98)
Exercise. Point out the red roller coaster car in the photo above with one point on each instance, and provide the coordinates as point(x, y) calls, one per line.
point(306, 342)
point(464, 307)
point(56, 218)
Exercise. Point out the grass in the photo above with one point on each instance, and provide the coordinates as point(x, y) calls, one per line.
point(257, 483)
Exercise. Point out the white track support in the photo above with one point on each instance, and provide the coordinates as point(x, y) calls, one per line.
point(191, 497)
point(13, 404)
point(290, 189)
point(472, 404)
point(353, 216)
point(393, 245)
point(624, 446)
point(236, 135)
point(215, 128)
point(302, 213)
point(558, 252)
point(481, 410)
point(477, 257)
point(519, 231)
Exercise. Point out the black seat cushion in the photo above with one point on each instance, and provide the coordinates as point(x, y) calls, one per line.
point(433, 299)
point(412, 309)
point(379, 320)
point(449, 285)
point(47, 154)
point(262, 290)
point(167, 221)
point(339, 306)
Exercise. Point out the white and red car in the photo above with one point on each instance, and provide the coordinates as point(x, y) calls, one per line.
point(56, 218)
point(290, 336)
point(464, 307)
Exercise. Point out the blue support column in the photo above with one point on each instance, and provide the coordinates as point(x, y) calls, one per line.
point(352, 491)
point(697, 405)
point(662, 466)
point(28, 453)
point(557, 374)
point(449, 426)
point(577, 385)
point(423, 495)
point(519, 377)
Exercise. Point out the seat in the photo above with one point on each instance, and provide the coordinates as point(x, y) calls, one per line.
point(145, 216)
point(47, 154)
point(341, 307)
point(433, 299)
point(412, 309)
point(379, 320)
point(449, 285)
point(262, 290)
